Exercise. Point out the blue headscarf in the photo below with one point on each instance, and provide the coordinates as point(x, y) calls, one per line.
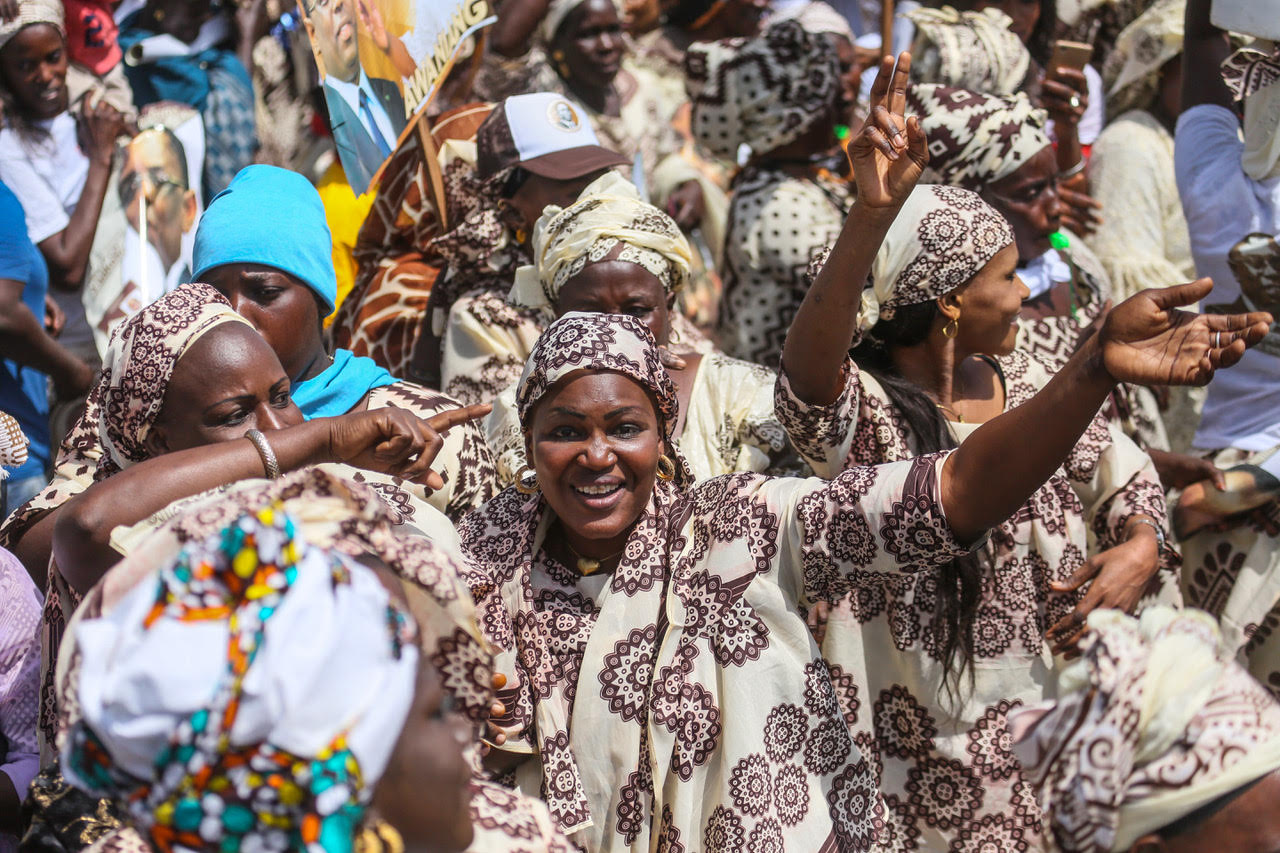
point(337, 390)
point(274, 217)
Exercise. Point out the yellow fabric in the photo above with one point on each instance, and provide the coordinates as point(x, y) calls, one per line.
point(345, 212)
point(397, 18)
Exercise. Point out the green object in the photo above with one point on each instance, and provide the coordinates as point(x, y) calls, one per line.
point(842, 132)
point(1058, 240)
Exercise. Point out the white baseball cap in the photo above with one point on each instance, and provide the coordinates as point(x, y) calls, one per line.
point(545, 133)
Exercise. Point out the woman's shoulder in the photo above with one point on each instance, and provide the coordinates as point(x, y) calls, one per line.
point(734, 374)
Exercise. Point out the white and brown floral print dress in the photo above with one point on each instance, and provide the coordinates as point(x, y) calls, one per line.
point(944, 766)
point(680, 704)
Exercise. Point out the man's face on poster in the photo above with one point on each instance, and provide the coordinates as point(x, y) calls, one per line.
point(331, 25)
point(154, 167)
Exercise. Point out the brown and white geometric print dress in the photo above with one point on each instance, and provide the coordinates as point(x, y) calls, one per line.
point(945, 768)
point(777, 225)
point(680, 703)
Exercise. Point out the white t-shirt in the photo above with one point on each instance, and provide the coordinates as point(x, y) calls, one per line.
point(1222, 206)
point(47, 175)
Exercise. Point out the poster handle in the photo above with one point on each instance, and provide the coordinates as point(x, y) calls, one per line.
point(431, 156)
point(886, 28)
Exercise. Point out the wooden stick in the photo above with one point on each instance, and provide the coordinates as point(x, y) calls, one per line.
point(886, 28)
point(432, 158)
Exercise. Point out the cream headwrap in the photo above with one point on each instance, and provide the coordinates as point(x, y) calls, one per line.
point(762, 92)
point(249, 694)
point(976, 50)
point(33, 12)
point(1132, 69)
point(609, 213)
point(940, 240)
point(975, 139)
point(1155, 720)
point(557, 11)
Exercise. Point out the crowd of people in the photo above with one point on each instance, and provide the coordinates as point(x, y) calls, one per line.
point(707, 425)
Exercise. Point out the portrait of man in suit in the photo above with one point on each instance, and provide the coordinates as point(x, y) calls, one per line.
point(366, 113)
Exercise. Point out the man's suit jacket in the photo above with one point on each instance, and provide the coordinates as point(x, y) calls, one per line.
point(356, 149)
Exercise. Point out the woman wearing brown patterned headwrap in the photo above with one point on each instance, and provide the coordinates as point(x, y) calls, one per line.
point(946, 652)
point(779, 96)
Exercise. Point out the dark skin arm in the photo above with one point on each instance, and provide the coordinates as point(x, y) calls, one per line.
point(67, 252)
point(391, 441)
point(517, 19)
point(24, 340)
point(1204, 48)
point(1147, 340)
point(888, 156)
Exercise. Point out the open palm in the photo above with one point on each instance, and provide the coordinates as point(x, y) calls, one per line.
point(889, 153)
point(1147, 340)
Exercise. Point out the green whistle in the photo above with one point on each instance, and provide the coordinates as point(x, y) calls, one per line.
point(1058, 240)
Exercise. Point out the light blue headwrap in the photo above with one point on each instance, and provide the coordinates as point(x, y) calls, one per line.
point(274, 217)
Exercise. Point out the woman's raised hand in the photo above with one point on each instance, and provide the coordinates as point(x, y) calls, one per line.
point(889, 153)
point(1148, 340)
point(394, 441)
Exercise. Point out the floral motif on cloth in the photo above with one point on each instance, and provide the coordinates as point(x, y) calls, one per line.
point(944, 762)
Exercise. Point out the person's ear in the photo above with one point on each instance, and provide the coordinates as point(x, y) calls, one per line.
point(949, 305)
point(528, 446)
point(311, 39)
point(188, 211)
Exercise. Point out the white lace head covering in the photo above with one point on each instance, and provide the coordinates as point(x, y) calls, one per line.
point(33, 12)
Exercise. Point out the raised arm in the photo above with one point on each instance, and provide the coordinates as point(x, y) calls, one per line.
point(391, 441)
point(1146, 340)
point(512, 33)
point(67, 252)
point(888, 156)
point(1204, 47)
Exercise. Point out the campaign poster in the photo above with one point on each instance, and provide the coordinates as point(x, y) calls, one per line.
point(380, 62)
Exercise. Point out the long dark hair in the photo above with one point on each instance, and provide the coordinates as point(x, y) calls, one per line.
point(959, 584)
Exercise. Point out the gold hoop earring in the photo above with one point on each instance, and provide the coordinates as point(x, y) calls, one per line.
point(952, 328)
point(666, 468)
point(524, 487)
point(521, 235)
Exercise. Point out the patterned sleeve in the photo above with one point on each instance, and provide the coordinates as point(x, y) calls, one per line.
point(19, 674)
point(486, 343)
point(870, 519)
point(822, 434)
point(1116, 481)
point(464, 461)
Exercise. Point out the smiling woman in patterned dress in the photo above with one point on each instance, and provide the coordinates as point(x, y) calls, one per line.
point(945, 653)
point(664, 688)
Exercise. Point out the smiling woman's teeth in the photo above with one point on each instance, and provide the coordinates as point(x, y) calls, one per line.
point(597, 490)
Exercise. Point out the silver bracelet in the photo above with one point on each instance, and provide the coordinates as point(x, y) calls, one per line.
point(269, 463)
point(1073, 171)
point(1160, 540)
